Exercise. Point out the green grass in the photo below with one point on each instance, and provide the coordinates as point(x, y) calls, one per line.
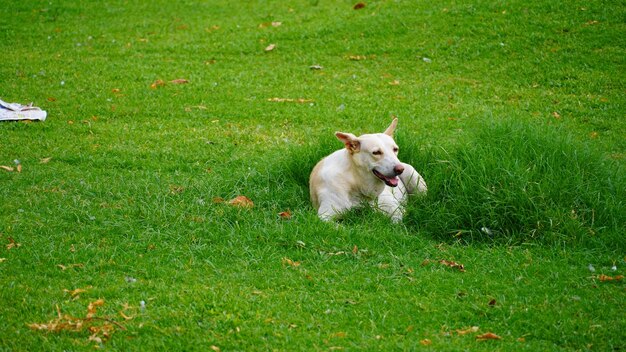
point(516, 122)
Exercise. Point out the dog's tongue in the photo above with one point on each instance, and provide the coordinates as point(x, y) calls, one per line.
point(391, 181)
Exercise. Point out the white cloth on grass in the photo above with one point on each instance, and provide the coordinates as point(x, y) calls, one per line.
point(15, 111)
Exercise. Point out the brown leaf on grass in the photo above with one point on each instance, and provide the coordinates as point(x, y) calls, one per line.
point(215, 348)
point(285, 215)
point(355, 250)
point(340, 334)
point(270, 47)
point(426, 342)
point(45, 160)
point(242, 202)
point(287, 261)
point(556, 115)
point(157, 83)
point(488, 336)
point(466, 331)
point(604, 278)
point(359, 5)
point(100, 328)
point(6, 168)
point(176, 189)
point(179, 81)
point(76, 292)
point(395, 82)
point(93, 307)
point(453, 265)
point(12, 244)
point(357, 57)
point(290, 100)
point(218, 200)
point(492, 303)
point(3, 260)
point(69, 266)
point(270, 24)
point(126, 317)
point(19, 168)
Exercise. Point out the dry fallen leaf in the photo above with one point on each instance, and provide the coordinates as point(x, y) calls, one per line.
point(69, 266)
point(467, 331)
point(272, 24)
point(488, 336)
point(126, 317)
point(75, 292)
point(45, 160)
point(357, 57)
point(359, 5)
point(452, 264)
point(179, 81)
point(355, 249)
point(176, 189)
point(3, 260)
point(290, 100)
point(492, 303)
point(287, 261)
point(215, 348)
point(242, 202)
point(100, 328)
point(157, 83)
point(6, 168)
point(12, 244)
point(556, 115)
point(605, 278)
point(285, 215)
point(218, 200)
point(270, 47)
point(395, 82)
point(93, 307)
point(426, 342)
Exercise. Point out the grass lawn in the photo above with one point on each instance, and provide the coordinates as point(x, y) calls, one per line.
point(117, 232)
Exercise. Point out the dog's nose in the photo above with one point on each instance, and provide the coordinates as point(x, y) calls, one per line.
point(398, 169)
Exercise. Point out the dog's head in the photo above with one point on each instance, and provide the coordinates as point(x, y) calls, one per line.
point(377, 153)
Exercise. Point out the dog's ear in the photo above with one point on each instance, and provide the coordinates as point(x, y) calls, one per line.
point(389, 131)
point(351, 141)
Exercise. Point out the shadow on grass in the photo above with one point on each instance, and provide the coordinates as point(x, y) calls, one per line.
point(508, 183)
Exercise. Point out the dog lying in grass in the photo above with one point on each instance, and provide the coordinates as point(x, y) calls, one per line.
point(366, 170)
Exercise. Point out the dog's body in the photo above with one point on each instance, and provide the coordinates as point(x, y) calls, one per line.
point(366, 170)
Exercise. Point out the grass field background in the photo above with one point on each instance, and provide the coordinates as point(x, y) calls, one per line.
point(513, 111)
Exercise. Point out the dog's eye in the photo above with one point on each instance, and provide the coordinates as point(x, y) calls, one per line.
point(377, 152)
point(395, 150)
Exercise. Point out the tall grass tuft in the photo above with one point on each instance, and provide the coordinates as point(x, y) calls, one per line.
point(516, 182)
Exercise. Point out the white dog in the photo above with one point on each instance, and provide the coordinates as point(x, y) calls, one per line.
point(366, 170)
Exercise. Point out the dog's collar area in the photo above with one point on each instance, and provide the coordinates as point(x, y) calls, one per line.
point(389, 181)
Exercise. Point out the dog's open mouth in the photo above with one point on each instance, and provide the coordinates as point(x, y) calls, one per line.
point(389, 181)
